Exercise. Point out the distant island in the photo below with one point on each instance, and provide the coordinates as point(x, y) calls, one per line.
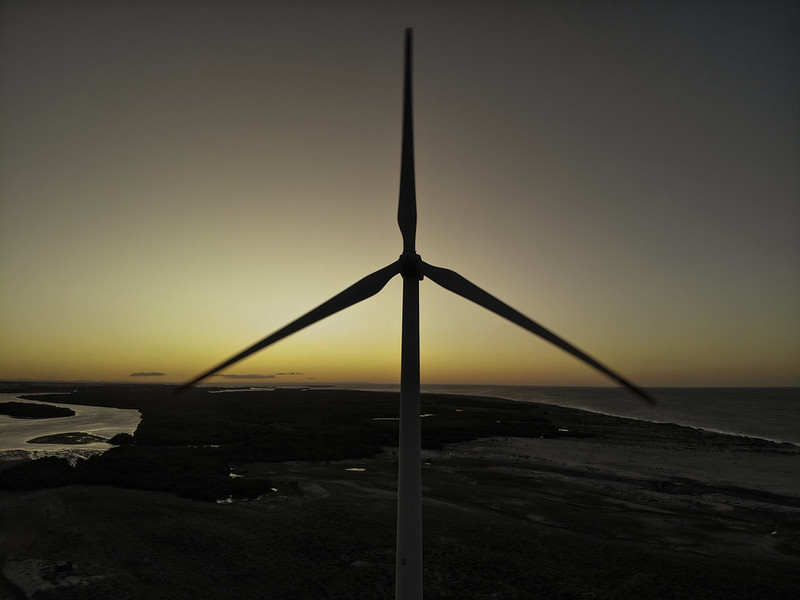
point(73, 437)
point(27, 410)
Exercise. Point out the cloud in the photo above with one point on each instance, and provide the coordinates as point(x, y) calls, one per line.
point(146, 374)
point(256, 375)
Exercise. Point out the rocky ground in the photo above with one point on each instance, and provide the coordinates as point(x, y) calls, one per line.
point(504, 518)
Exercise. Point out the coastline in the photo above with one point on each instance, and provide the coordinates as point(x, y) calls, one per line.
point(604, 400)
point(740, 406)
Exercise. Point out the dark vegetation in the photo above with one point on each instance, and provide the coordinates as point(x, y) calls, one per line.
point(121, 439)
point(26, 410)
point(149, 546)
point(329, 533)
point(188, 443)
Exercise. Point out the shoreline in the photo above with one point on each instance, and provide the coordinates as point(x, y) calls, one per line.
point(624, 406)
point(256, 389)
point(709, 430)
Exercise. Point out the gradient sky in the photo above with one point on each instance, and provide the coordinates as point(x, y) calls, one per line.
point(179, 179)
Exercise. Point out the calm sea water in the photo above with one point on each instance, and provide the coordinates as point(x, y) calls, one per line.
point(770, 413)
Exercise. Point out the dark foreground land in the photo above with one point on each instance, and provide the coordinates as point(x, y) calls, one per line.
point(521, 501)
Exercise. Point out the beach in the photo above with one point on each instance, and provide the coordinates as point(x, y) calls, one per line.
point(609, 508)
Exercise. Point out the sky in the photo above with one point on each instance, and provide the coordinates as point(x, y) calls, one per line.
point(179, 179)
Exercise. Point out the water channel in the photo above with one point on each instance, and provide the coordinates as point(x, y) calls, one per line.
point(96, 420)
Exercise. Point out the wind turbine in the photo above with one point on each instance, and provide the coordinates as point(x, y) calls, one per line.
point(412, 268)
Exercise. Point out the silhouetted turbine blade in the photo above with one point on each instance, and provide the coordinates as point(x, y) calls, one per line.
point(407, 205)
point(457, 284)
point(361, 290)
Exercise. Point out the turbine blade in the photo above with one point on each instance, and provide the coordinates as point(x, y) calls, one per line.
point(457, 284)
point(361, 290)
point(407, 205)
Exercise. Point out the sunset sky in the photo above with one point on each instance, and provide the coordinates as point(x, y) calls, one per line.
point(179, 179)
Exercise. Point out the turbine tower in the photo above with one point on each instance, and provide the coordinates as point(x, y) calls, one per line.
point(408, 583)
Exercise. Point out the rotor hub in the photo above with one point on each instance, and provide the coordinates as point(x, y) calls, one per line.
point(409, 265)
